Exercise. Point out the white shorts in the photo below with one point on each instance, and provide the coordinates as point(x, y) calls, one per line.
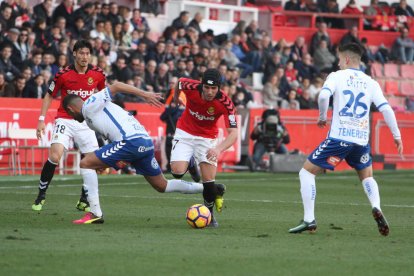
point(67, 129)
point(185, 145)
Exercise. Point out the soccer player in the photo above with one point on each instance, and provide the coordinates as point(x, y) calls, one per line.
point(196, 133)
point(352, 92)
point(81, 79)
point(131, 144)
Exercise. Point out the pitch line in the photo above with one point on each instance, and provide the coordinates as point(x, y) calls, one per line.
point(231, 199)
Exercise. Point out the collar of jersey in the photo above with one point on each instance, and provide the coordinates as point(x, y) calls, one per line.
point(72, 66)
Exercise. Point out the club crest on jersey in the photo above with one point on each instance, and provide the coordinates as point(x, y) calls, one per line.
point(333, 160)
point(90, 81)
point(210, 110)
point(154, 163)
point(364, 158)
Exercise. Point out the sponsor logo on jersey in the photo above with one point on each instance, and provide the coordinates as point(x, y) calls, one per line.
point(144, 149)
point(82, 93)
point(210, 110)
point(364, 158)
point(343, 144)
point(90, 80)
point(200, 116)
point(154, 163)
point(333, 160)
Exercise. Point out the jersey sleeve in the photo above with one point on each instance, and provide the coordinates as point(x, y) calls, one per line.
point(56, 83)
point(97, 101)
point(378, 97)
point(188, 85)
point(330, 83)
point(102, 82)
point(230, 112)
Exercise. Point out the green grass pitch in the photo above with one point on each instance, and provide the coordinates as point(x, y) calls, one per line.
point(145, 232)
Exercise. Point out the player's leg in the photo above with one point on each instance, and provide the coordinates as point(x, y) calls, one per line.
point(163, 185)
point(86, 140)
point(360, 160)
point(61, 135)
point(210, 191)
point(182, 151)
point(326, 156)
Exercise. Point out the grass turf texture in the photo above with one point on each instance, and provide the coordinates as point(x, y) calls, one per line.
point(145, 233)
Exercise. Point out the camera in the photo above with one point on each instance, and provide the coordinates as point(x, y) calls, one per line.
point(272, 133)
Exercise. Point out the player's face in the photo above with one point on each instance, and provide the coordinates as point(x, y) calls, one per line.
point(209, 92)
point(82, 57)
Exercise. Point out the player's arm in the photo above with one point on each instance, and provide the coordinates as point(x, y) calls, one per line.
point(47, 100)
point(149, 97)
point(323, 103)
point(213, 154)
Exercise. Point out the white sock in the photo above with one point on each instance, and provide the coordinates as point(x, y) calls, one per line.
point(372, 192)
point(184, 187)
point(90, 180)
point(308, 191)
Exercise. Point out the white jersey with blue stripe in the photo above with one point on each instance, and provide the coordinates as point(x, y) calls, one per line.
point(353, 92)
point(110, 120)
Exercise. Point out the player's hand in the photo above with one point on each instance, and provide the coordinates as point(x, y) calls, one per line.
point(213, 154)
point(40, 130)
point(399, 144)
point(321, 124)
point(154, 99)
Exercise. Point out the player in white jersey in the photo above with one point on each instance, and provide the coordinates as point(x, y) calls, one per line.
point(352, 92)
point(131, 144)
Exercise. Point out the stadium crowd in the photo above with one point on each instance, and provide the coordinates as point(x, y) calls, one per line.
point(35, 42)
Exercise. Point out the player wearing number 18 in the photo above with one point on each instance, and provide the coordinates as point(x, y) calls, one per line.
point(353, 93)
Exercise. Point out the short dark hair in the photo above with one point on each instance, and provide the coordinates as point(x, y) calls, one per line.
point(68, 100)
point(351, 47)
point(82, 44)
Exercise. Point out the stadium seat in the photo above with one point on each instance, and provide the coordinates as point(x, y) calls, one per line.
point(8, 148)
point(376, 70)
point(397, 103)
point(257, 81)
point(391, 71)
point(407, 88)
point(391, 88)
point(407, 71)
point(381, 83)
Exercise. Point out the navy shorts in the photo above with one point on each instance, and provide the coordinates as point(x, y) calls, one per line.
point(331, 152)
point(138, 153)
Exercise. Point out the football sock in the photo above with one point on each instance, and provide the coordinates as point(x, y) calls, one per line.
point(209, 194)
point(83, 194)
point(308, 191)
point(184, 187)
point(90, 180)
point(372, 191)
point(46, 177)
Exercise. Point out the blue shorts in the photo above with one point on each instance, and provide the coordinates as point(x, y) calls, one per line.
point(138, 153)
point(331, 152)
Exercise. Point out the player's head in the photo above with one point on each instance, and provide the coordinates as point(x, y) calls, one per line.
point(211, 84)
point(73, 105)
point(350, 56)
point(82, 51)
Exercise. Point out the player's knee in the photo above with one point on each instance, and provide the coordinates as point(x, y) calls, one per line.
point(177, 175)
point(84, 164)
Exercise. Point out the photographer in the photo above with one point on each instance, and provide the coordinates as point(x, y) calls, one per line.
point(270, 135)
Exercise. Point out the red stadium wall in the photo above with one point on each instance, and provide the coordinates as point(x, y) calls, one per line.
point(305, 135)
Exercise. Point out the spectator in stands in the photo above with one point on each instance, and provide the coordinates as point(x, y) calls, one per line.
point(352, 8)
point(139, 22)
point(374, 9)
point(207, 40)
point(78, 31)
point(99, 30)
point(27, 73)
point(253, 30)
point(270, 93)
point(14, 89)
point(43, 39)
point(321, 34)
point(113, 13)
point(35, 61)
point(403, 48)
point(150, 77)
point(290, 72)
point(181, 21)
point(195, 23)
point(315, 88)
point(119, 69)
point(285, 55)
point(3, 85)
point(85, 12)
point(404, 9)
point(43, 10)
point(351, 37)
point(6, 20)
point(270, 136)
point(150, 6)
point(239, 28)
point(369, 56)
point(332, 7)
point(13, 40)
point(163, 78)
point(292, 5)
point(305, 100)
point(306, 69)
point(35, 88)
point(158, 54)
point(48, 63)
point(291, 101)
point(65, 10)
point(298, 49)
point(271, 66)
point(323, 59)
point(284, 86)
point(6, 66)
point(104, 14)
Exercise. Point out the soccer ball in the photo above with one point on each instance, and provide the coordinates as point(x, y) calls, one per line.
point(198, 216)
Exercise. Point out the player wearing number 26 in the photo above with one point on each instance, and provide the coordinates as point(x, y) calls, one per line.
point(353, 93)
